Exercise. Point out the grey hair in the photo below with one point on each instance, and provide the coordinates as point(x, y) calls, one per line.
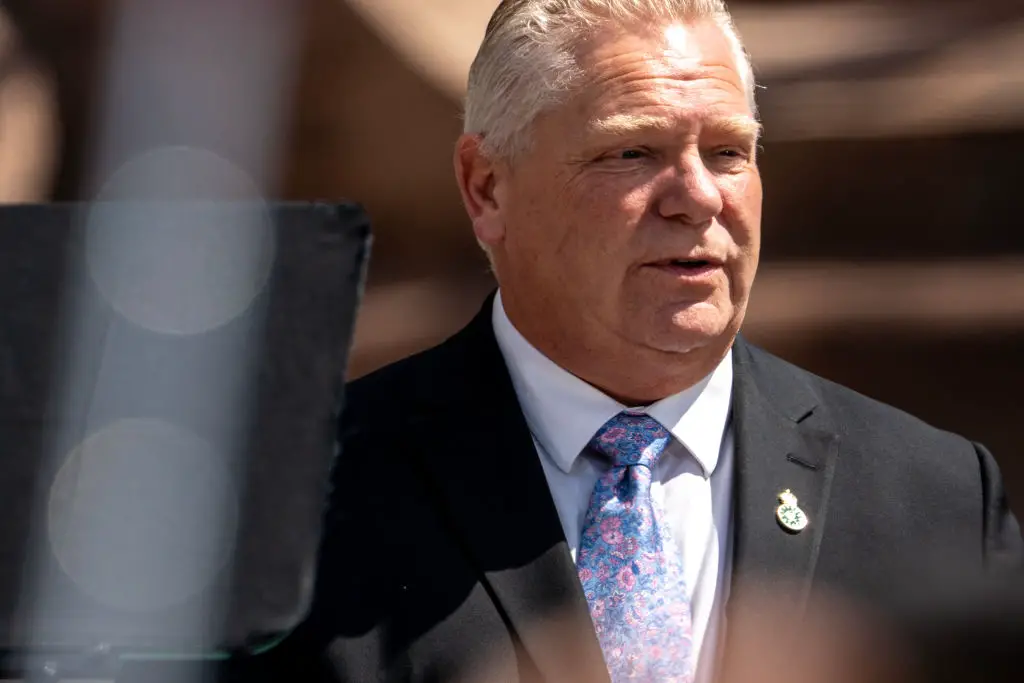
point(526, 63)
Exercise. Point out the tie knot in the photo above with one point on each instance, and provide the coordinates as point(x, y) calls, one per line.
point(629, 439)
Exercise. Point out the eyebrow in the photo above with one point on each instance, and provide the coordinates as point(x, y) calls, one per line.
point(626, 124)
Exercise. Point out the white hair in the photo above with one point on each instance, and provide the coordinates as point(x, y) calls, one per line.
point(527, 62)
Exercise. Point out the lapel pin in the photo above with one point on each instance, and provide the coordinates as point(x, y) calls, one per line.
point(789, 514)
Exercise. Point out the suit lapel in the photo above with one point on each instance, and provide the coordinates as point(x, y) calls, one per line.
point(784, 441)
point(491, 486)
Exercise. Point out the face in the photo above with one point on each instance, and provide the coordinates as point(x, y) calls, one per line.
point(632, 226)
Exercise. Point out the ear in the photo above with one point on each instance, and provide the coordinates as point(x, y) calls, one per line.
point(477, 177)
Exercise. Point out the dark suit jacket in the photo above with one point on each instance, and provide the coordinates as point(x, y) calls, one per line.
point(444, 559)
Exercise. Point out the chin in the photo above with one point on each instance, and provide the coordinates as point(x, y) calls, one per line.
point(682, 342)
point(690, 330)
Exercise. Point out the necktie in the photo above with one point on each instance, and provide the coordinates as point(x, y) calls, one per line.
point(628, 564)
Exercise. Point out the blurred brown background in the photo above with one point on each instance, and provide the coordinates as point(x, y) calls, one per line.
point(894, 248)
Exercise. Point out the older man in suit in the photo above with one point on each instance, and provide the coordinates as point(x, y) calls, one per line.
point(579, 484)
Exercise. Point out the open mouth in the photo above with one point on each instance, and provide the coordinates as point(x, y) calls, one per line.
point(688, 267)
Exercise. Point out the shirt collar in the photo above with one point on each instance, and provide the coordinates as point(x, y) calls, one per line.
point(563, 412)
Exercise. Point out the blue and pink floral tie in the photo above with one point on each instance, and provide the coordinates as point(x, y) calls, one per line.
point(630, 568)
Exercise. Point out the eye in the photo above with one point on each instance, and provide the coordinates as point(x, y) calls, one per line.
point(628, 154)
point(729, 158)
point(732, 153)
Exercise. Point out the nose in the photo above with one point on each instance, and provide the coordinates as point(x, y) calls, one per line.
point(690, 193)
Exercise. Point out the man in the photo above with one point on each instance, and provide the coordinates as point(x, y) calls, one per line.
point(580, 484)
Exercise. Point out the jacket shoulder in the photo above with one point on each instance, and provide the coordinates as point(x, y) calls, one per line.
point(858, 416)
point(392, 391)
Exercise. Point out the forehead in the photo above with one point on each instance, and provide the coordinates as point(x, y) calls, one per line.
point(689, 70)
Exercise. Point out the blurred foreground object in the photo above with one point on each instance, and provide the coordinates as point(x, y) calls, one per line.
point(835, 640)
point(958, 631)
point(28, 121)
point(972, 632)
point(170, 377)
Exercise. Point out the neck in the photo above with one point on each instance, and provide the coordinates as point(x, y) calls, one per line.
point(631, 374)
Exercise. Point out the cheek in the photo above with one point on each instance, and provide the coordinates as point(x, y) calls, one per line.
point(598, 241)
point(576, 229)
point(532, 225)
point(547, 239)
point(742, 211)
point(624, 193)
point(608, 211)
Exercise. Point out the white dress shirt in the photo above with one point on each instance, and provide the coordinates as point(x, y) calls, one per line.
point(692, 480)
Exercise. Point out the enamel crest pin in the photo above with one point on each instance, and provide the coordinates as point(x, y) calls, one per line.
point(789, 514)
